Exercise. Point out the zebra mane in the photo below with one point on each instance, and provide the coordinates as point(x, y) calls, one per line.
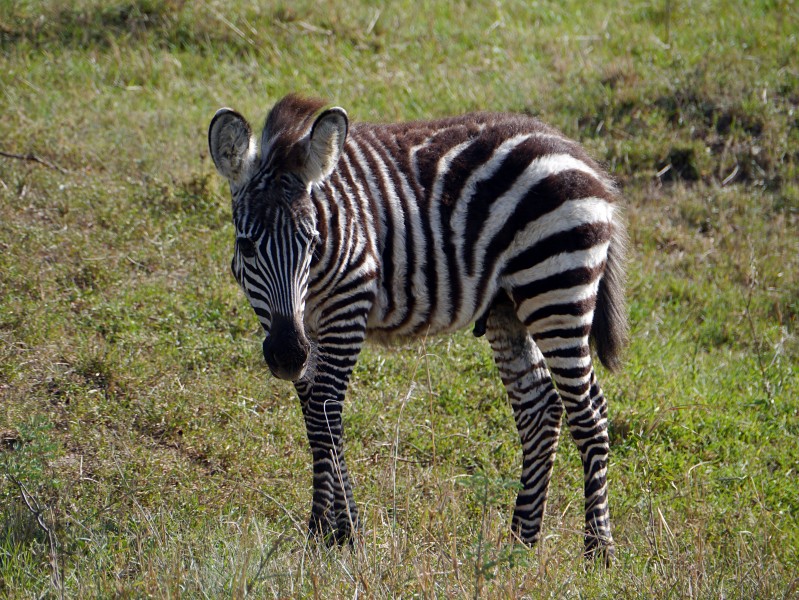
point(286, 127)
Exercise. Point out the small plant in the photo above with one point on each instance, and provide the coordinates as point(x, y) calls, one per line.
point(487, 558)
point(30, 490)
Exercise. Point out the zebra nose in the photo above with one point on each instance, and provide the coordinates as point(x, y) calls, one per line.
point(286, 350)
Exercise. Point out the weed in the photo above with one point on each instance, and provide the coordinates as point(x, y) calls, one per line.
point(486, 559)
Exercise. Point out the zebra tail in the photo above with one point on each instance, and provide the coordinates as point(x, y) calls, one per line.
point(610, 328)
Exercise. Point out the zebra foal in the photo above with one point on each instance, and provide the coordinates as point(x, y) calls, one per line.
point(386, 230)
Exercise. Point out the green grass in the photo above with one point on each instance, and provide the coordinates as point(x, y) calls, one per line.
point(144, 451)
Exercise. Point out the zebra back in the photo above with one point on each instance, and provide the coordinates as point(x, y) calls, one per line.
point(448, 204)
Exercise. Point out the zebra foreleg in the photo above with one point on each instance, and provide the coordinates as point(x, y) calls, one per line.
point(537, 410)
point(334, 515)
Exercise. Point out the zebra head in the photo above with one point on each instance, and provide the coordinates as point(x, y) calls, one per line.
point(275, 219)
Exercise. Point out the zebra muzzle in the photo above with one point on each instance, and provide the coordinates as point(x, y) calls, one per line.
point(286, 349)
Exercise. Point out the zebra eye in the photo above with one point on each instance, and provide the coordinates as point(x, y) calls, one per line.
point(246, 247)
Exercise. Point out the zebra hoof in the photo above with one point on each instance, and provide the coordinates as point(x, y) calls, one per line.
point(331, 532)
point(322, 529)
point(600, 551)
point(528, 536)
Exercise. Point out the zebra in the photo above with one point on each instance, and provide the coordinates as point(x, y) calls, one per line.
point(345, 231)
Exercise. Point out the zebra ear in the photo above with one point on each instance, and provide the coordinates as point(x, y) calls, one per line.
point(328, 134)
point(232, 145)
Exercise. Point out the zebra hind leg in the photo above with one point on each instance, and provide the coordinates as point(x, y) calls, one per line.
point(537, 410)
point(569, 362)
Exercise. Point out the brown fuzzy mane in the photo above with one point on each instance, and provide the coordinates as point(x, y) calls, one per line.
point(286, 126)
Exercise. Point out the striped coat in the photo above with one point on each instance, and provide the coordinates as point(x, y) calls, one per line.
point(387, 230)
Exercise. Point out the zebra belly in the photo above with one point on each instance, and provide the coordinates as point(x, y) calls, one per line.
point(388, 321)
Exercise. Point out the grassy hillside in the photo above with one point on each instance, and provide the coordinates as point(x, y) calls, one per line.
point(144, 451)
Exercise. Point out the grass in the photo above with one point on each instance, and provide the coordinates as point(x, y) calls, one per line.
point(144, 451)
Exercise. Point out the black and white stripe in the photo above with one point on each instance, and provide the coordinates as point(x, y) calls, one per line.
point(424, 228)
